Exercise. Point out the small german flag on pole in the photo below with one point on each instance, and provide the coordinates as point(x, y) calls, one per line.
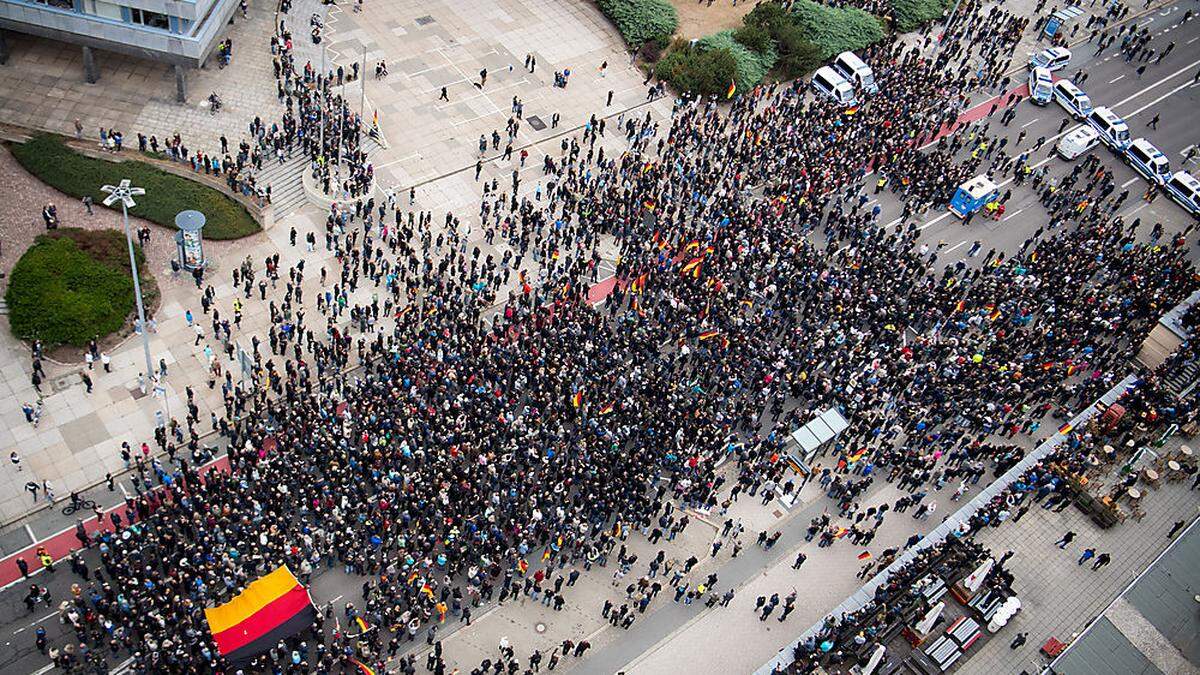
point(865, 555)
point(1066, 428)
point(362, 624)
point(732, 89)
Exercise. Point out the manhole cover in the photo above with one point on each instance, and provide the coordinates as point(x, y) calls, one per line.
point(540, 627)
point(536, 122)
point(425, 20)
point(137, 393)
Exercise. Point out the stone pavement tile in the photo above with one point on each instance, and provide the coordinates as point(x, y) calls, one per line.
point(83, 432)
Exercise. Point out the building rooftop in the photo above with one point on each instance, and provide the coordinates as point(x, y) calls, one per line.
point(1152, 627)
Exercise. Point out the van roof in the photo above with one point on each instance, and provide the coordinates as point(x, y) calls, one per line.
point(830, 74)
point(1058, 51)
point(852, 60)
point(1147, 147)
point(1042, 74)
point(1081, 132)
point(1108, 115)
point(1067, 85)
point(1187, 179)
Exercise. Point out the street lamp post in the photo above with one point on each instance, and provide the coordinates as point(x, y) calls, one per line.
point(124, 193)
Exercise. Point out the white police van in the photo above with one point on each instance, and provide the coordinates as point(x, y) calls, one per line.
point(858, 73)
point(1148, 161)
point(1052, 59)
point(1041, 86)
point(1114, 132)
point(1185, 190)
point(1072, 99)
point(1077, 141)
point(828, 82)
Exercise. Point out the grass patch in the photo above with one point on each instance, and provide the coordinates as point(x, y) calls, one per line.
point(77, 175)
point(73, 284)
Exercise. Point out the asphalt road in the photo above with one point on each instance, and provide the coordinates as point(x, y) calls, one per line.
point(1168, 89)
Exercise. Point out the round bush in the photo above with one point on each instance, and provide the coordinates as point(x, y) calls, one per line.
point(70, 286)
point(913, 14)
point(836, 29)
point(751, 66)
point(642, 21)
point(698, 71)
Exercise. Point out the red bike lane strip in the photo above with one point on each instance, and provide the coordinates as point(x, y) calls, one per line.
point(61, 544)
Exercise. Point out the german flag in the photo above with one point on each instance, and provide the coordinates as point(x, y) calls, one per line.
point(962, 304)
point(732, 89)
point(709, 334)
point(638, 285)
point(994, 315)
point(362, 624)
point(608, 407)
point(577, 398)
point(1066, 428)
point(270, 609)
point(693, 267)
point(522, 566)
point(865, 555)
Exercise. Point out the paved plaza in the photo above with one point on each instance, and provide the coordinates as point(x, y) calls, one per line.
point(430, 149)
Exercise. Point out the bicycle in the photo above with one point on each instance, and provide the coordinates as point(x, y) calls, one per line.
point(79, 505)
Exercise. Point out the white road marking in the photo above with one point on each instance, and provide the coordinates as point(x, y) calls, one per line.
point(1131, 181)
point(1030, 122)
point(958, 245)
point(1014, 214)
point(1135, 210)
point(1192, 40)
point(940, 218)
point(1051, 140)
point(20, 630)
point(1117, 79)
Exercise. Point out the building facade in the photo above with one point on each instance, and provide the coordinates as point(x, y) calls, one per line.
point(182, 33)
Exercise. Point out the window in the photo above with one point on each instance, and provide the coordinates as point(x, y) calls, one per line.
point(60, 4)
point(149, 19)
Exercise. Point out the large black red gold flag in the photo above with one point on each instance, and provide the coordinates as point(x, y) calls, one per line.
point(270, 609)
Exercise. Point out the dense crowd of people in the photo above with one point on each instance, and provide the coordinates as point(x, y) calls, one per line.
point(477, 425)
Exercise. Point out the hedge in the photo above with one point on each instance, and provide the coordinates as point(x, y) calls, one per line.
point(166, 193)
point(642, 21)
point(913, 14)
point(751, 66)
point(73, 284)
point(698, 71)
point(797, 55)
point(836, 29)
